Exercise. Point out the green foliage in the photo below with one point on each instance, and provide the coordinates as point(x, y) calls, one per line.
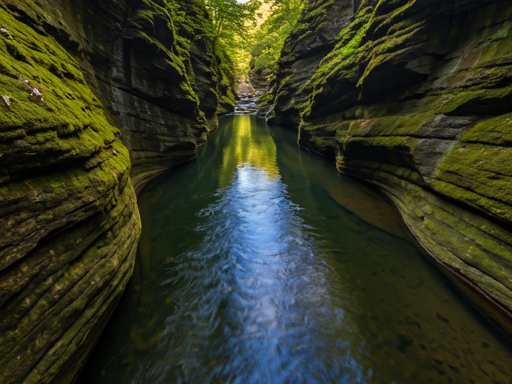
point(230, 24)
point(229, 17)
point(267, 42)
point(177, 28)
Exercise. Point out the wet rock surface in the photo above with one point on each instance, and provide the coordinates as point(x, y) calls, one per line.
point(117, 103)
point(248, 102)
point(246, 105)
point(414, 97)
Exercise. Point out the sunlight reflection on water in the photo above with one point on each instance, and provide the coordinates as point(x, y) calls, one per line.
point(259, 263)
point(268, 296)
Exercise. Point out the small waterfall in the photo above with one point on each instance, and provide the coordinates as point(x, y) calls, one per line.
point(246, 103)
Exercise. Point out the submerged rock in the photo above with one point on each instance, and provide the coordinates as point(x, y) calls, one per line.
point(415, 97)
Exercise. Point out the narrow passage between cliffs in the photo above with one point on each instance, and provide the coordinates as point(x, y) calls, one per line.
point(259, 263)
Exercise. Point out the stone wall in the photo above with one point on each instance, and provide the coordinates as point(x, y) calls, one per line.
point(94, 96)
point(416, 98)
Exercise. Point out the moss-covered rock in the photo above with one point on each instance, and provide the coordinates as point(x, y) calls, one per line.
point(84, 87)
point(313, 37)
point(162, 79)
point(416, 98)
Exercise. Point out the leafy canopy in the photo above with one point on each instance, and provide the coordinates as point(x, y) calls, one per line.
point(252, 33)
point(268, 40)
point(231, 22)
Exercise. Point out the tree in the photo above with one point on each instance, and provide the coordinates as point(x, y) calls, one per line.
point(268, 40)
point(230, 17)
point(231, 22)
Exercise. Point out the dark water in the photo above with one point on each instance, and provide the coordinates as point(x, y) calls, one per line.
point(257, 264)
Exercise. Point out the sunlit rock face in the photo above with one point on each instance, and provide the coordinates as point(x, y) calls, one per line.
point(416, 98)
point(85, 86)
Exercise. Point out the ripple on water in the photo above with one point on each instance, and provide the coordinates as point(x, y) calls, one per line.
point(257, 264)
point(263, 294)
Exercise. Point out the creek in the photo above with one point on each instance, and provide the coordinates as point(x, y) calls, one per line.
point(260, 263)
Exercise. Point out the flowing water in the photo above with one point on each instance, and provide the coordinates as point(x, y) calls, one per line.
point(259, 263)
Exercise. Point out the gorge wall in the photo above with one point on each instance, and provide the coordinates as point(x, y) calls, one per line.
point(415, 97)
point(96, 98)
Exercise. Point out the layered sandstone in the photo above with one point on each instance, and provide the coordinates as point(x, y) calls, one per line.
point(95, 97)
point(416, 98)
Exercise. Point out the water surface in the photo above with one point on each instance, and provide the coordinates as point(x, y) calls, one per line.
point(259, 263)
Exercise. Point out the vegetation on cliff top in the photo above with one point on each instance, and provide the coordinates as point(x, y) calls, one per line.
point(252, 33)
point(268, 39)
point(230, 26)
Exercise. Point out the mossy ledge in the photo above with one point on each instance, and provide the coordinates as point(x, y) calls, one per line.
point(96, 99)
point(415, 97)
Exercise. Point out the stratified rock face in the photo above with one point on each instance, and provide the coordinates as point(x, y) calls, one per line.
point(81, 84)
point(416, 98)
point(313, 37)
point(160, 77)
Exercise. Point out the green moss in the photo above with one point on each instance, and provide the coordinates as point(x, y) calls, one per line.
point(389, 47)
point(60, 128)
point(344, 52)
point(476, 173)
point(59, 169)
point(264, 99)
point(496, 131)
